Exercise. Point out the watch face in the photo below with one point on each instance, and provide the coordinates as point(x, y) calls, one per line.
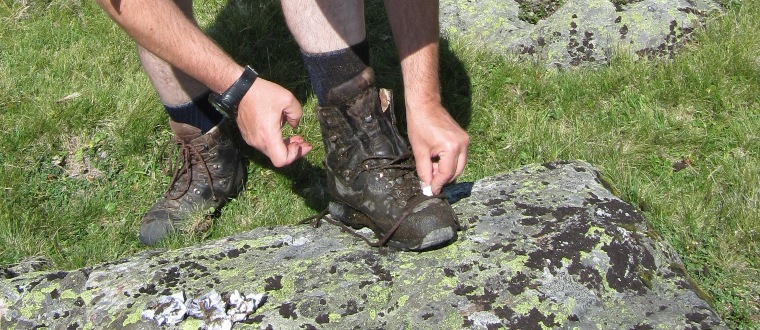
point(227, 103)
point(216, 100)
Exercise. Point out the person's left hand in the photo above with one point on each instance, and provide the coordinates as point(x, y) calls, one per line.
point(438, 143)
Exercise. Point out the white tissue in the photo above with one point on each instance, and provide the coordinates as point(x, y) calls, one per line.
point(426, 189)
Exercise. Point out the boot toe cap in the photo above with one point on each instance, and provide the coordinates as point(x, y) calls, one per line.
point(430, 224)
point(155, 227)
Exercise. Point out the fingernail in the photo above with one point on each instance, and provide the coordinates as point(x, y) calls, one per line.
point(426, 189)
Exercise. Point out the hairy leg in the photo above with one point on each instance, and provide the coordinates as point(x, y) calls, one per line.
point(320, 26)
point(172, 85)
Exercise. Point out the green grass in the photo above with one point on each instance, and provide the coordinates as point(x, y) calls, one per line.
point(77, 175)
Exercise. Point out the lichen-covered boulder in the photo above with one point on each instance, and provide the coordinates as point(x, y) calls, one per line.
point(545, 246)
point(579, 32)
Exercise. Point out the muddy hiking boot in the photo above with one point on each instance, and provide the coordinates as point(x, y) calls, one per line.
point(371, 174)
point(207, 170)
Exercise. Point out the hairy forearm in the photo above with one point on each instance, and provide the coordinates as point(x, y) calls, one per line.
point(415, 31)
point(162, 28)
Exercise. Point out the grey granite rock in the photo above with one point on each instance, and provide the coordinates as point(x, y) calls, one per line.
point(580, 32)
point(545, 246)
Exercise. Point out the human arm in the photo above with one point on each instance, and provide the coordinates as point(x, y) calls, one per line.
point(161, 27)
point(439, 144)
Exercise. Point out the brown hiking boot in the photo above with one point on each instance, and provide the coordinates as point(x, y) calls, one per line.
point(209, 170)
point(371, 175)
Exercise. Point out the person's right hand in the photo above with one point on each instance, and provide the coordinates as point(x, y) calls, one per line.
point(262, 113)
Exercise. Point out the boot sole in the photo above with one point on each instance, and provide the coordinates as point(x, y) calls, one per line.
point(358, 220)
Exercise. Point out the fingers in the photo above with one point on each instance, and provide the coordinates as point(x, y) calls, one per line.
point(281, 151)
point(442, 168)
point(292, 116)
point(263, 113)
point(461, 163)
point(285, 152)
point(445, 172)
point(297, 147)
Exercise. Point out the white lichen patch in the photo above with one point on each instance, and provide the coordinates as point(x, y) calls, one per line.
point(214, 311)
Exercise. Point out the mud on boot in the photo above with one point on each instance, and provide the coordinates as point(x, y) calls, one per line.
point(371, 174)
point(208, 170)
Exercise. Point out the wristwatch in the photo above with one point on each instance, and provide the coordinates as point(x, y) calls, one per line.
point(227, 103)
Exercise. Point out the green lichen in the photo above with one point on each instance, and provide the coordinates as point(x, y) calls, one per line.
point(406, 265)
point(334, 317)
point(378, 296)
point(453, 320)
point(604, 240)
point(646, 277)
point(86, 296)
point(561, 311)
point(50, 288)
point(132, 318)
point(530, 187)
point(288, 283)
point(402, 300)
point(517, 263)
point(69, 294)
point(448, 283)
point(525, 302)
point(190, 324)
point(32, 304)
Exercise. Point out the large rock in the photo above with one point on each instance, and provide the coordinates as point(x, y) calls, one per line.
point(545, 246)
point(579, 32)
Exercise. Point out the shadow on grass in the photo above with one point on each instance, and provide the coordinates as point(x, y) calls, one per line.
point(255, 33)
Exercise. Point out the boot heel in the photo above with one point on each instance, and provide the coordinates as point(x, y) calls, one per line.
point(348, 215)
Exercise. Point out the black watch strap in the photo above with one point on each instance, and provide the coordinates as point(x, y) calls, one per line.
point(227, 103)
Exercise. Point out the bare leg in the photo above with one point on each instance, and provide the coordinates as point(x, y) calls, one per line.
point(321, 26)
point(172, 85)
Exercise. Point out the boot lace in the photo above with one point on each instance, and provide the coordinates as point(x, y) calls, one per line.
point(181, 159)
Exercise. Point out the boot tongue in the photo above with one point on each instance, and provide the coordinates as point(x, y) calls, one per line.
point(184, 131)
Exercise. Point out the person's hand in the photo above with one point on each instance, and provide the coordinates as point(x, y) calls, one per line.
point(262, 113)
point(439, 145)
